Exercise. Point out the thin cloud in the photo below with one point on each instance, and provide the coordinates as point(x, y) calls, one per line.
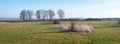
point(101, 6)
point(109, 9)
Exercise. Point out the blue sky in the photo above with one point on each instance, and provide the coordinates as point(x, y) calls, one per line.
point(72, 8)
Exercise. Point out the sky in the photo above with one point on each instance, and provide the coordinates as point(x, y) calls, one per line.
point(72, 8)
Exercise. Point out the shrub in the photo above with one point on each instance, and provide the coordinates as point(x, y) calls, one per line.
point(56, 21)
point(119, 22)
point(72, 26)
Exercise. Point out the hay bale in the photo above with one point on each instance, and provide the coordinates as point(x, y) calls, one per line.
point(64, 27)
point(83, 29)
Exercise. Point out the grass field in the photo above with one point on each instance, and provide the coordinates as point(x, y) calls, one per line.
point(106, 32)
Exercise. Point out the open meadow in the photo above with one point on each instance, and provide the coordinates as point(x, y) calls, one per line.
point(106, 32)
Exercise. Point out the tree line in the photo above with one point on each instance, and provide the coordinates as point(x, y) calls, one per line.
point(41, 14)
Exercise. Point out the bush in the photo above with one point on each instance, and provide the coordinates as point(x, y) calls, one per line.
point(56, 21)
point(72, 26)
point(118, 22)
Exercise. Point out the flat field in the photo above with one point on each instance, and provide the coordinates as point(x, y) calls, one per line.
point(106, 32)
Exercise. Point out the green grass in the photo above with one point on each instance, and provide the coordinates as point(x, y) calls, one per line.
point(106, 32)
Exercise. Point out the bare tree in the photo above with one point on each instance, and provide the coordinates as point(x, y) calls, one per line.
point(38, 14)
point(43, 14)
point(61, 13)
point(29, 14)
point(23, 15)
point(26, 14)
point(46, 15)
point(51, 14)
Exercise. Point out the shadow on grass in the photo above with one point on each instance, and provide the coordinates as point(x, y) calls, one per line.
point(55, 32)
point(115, 26)
point(46, 23)
point(111, 26)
